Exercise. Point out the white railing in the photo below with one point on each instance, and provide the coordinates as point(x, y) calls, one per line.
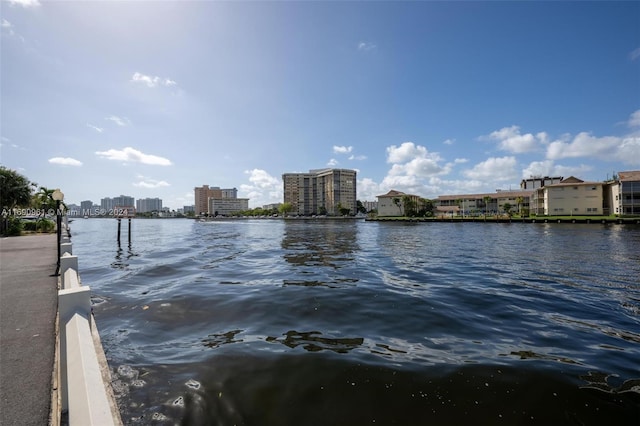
point(86, 395)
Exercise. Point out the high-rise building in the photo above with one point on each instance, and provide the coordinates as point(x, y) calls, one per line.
point(147, 205)
point(108, 205)
point(204, 193)
point(321, 191)
point(86, 208)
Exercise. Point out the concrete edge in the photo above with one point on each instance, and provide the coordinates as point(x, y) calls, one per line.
point(56, 402)
point(106, 372)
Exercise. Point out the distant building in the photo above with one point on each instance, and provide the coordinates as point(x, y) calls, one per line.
point(491, 202)
point(203, 193)
point(391, 203)
point(187, 209)
point(538, 182)
point(227, 206)
point(107, 205)
point(370, 205)
point(622, 196)
point(572, 196)
point(274, 206)
point(321, 191)
point(73, 210)
point(147, 205)
point(86, 208)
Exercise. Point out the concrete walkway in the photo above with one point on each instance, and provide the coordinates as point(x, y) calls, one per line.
point(28, 307)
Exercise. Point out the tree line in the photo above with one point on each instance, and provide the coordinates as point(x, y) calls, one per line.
point(20, 198)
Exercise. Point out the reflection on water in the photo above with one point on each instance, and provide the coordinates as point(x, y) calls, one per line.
point(122, 259)
point(347, 322)
point(313, 341)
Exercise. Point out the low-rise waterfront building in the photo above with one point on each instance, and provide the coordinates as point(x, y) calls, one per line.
point(572, 196)
point(484, 203)
point(622, 195)
point(227, 206)
point(392, 203)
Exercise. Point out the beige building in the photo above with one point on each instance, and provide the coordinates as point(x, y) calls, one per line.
point(392, 203)
point(490, 203)
point(203, 193)
point(572, 196)
point(622, 196)
point(227, 206)
point(321, 191)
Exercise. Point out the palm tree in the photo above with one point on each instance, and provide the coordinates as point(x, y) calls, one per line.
point(486, 199)
point(519, 201)
point(409, 205)
point(43, 202)
point(15, 190)
point(459, 204)
point(396, 201)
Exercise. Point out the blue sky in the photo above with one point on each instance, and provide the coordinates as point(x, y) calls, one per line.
point(151, 99)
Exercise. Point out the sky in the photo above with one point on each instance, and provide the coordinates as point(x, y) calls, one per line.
point(154, 98)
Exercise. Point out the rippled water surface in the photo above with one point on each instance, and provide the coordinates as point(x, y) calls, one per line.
point(346, 322)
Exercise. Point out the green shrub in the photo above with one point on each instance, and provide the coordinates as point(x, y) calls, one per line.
point(14, 226)
point(46, 225)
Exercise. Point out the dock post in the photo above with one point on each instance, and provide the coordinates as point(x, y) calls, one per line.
point(119, 223)
point(129, 232)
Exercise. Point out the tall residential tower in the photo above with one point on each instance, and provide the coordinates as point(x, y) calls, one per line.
point(321, 191)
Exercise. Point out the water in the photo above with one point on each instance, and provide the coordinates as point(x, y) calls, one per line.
point(271, 322)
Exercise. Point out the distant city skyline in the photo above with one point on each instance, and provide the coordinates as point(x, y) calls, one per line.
point(427, 98)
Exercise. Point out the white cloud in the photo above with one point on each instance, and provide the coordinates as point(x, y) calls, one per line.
point(494, 169)
point(342, 149)
point(405, 152)
point(8, 27)
point(634, 119)
point(366, 46)
point(332, 162)
point(263, 188)
point(608, 148)
point(460, 161)
point(152, 81)
point(120, 121)
point(96, 128)
point(511, 140)
point(131, 155)
point(25, 3)
point(549, 168)
point(150, 183)
point(368, 190)
point(449, 142)
point(634, 54)
point(358, 157)
point(65, 161)
point(412, 167)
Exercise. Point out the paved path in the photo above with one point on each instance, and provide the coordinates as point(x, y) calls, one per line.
point(28, 306)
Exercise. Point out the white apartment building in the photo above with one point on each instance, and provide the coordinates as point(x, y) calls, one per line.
point(147, 205)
